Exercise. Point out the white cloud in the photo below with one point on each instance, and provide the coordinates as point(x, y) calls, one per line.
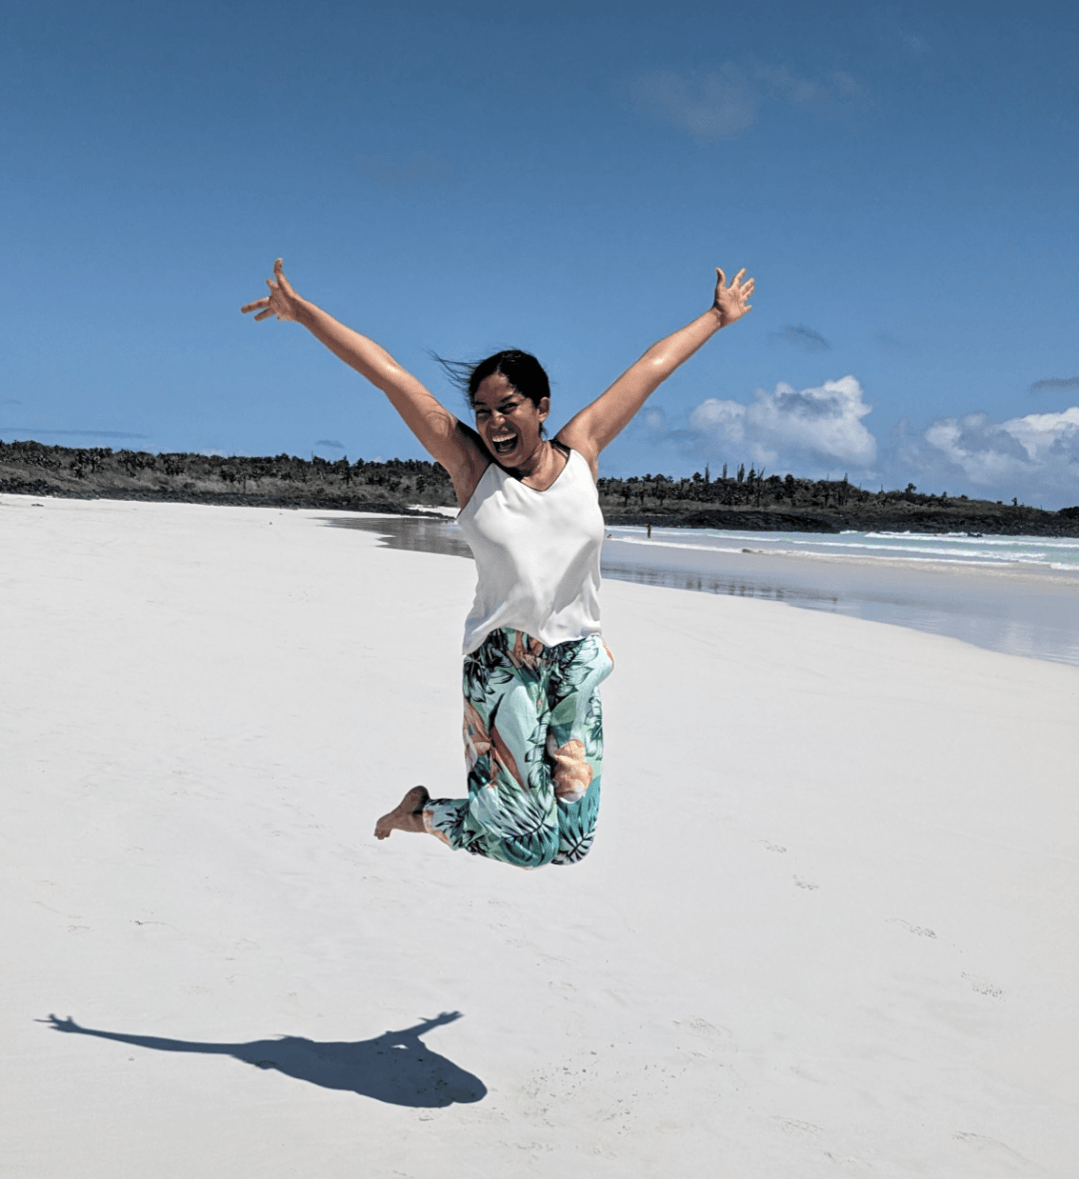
point(656, 421)
point(723, 421)
point(823, 92)
point(810, 430)
point(1044, 434)
point(822, 430)
point(1033, 457)
point(724, 103)
point(718, 106)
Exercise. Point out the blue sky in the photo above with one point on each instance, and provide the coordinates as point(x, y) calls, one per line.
point(900, 179)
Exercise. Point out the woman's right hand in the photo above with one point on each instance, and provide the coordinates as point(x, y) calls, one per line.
point(438, 430)
point(282, 300)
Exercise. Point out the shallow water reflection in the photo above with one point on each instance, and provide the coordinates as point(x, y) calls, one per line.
point(1016, 614)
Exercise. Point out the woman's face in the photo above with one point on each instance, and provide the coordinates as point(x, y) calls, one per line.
point(507, 421)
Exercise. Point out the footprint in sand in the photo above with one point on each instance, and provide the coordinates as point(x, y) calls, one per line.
point(984, 987)
point(920, 930)
point(804, 1131)
point(800, 883)
point(703, 1028)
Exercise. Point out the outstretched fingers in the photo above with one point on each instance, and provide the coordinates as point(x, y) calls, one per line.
point(739, 280)
point(278, 301)
point(282, 282)
point(732, 299)
point(739, 285)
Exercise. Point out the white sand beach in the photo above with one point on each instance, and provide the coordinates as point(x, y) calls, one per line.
point(827, 927)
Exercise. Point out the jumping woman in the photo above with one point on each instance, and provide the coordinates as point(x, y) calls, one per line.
point(534, 658)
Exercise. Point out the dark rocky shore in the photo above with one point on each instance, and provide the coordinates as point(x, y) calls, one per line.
point(748, 502)
point(29, 468)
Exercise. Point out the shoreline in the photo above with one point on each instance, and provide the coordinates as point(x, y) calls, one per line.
point(1016, 571)
point(417, 513)
point(1013, 610)
point(823, 506)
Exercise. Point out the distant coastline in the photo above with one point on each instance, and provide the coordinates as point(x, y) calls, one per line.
point(744, 502)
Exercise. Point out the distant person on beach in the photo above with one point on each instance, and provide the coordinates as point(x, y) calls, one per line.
point(534, 658)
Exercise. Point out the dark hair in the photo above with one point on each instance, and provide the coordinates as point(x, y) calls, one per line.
point(523, 371)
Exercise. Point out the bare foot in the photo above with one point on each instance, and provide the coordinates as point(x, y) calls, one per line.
point(406, 816)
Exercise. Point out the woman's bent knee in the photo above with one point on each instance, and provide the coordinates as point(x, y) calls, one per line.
point(539, 850)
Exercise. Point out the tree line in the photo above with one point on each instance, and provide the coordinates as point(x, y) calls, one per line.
point(419, 481)
point(753, 489)
point(406, 479)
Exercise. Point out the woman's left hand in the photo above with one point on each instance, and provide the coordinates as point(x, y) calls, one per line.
point(732, 301)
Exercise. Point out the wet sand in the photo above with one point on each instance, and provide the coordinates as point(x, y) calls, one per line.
point(1019, 610)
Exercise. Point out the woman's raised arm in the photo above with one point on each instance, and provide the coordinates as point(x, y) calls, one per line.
point(599, 423)
point(443, 436)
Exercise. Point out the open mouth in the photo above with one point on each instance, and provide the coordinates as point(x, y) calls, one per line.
point(504, 444)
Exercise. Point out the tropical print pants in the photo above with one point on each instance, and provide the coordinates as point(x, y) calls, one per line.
point(534, 749)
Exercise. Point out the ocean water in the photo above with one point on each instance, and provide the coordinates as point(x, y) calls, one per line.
point(1015, 594)
point(1017, 553)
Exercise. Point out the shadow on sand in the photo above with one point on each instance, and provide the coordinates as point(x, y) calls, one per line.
point(395, 1067)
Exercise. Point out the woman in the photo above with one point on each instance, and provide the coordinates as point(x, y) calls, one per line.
point(534, 658)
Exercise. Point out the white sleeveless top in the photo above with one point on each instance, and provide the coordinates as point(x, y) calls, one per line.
point(537, 555)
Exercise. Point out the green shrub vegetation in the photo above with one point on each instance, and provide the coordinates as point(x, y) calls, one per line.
point(747, 499)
